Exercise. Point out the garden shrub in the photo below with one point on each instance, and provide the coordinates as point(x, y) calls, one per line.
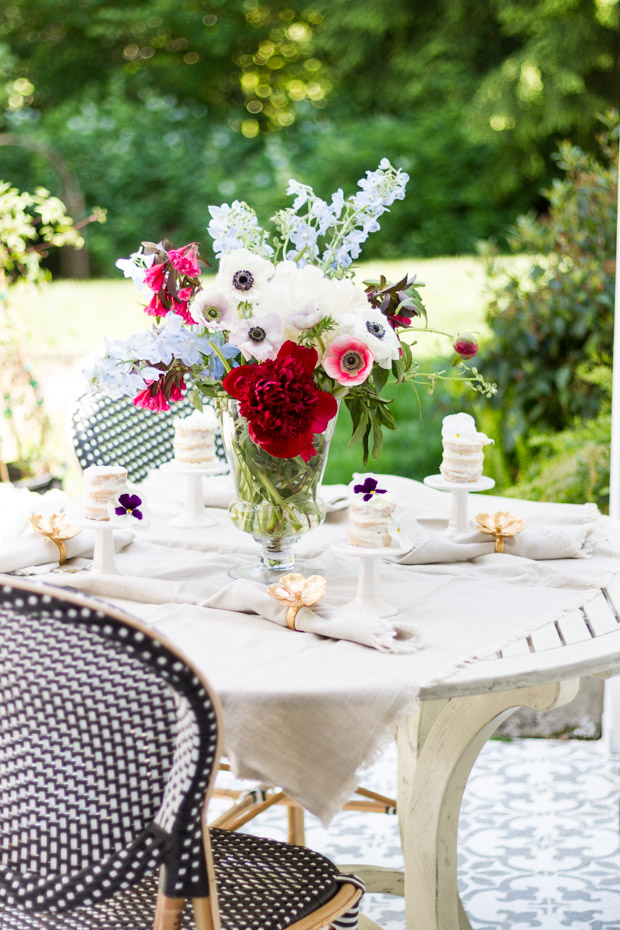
point(572, 466)
point(556, 311)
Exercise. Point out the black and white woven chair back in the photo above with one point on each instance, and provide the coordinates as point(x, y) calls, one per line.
point(108, 741)
point(109, 431)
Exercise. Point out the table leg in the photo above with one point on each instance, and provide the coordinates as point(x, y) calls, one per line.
point(436, 754)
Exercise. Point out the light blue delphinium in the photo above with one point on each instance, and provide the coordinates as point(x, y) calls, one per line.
point(236, 227)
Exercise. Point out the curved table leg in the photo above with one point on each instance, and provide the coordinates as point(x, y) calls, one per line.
point(436, 753)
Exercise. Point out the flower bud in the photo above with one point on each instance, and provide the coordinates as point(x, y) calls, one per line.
point(465, 345)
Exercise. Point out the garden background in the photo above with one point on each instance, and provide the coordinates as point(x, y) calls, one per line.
point(151, 111)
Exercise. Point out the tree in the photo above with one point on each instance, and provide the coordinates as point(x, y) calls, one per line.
point(471, 97)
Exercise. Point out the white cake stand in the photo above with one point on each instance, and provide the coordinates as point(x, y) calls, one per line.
point(459, 521)
point(103, 551)
point(368, 598)
point(193, 512)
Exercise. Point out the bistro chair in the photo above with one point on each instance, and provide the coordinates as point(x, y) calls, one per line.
point(109, 741)
point(107, 431)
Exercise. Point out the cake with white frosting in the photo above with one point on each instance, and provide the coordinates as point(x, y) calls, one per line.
point(194, 439)
point(102, 484)
point(371, 513)
point(463, 448)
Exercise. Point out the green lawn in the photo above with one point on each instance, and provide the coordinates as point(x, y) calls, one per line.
point(66, 322)
point(69, 318)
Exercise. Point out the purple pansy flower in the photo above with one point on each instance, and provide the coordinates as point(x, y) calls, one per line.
point(368, 488)
point(128, 505)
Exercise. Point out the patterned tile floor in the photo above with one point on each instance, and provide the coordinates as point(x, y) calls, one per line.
point(538, 838)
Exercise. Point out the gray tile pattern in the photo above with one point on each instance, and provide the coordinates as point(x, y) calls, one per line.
point(539, 841)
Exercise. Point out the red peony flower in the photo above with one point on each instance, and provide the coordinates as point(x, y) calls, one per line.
point(282, 404)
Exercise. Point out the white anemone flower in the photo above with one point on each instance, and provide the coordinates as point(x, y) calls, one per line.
point(345, 298)
point(258, 337)
point(304, 296)
point(213, 309)
point(372, 328)
point(242, 276)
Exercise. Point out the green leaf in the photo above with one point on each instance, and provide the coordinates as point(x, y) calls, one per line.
point(380, 377)
point(377, 439)
point(360, 430)
point(195, 399)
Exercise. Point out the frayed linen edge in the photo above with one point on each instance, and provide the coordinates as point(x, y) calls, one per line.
point(373, 755)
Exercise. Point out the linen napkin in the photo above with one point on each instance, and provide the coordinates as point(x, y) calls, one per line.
point(387, 634)
point(538, 543)
point(31, 550)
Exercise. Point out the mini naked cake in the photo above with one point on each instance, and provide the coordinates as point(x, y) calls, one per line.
point(371, 514)
point(463, 448)
point(194, 439)
point(102, 483)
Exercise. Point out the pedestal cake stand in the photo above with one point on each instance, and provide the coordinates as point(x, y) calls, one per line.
point(368, 598)
point(459, 521)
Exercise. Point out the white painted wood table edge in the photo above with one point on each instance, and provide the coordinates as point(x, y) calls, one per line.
point(438, 745)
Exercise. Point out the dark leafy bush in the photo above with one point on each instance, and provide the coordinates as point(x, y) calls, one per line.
point(573, 465)
point(556, 312)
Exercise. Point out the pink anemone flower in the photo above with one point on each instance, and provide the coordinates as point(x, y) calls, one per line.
point(348, 360)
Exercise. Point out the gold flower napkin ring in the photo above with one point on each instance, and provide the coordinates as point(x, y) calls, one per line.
point(502, 525)
point(296, 592)
point(57, 529)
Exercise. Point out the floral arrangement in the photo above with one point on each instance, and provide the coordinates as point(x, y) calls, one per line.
point(284, 334)
point(282, 329)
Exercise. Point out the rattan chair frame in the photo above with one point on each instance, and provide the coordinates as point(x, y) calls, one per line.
point(169, 909)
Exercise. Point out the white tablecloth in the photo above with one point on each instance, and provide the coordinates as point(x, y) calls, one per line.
point(304, 712)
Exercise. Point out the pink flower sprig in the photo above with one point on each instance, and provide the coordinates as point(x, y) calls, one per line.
point(174, 279)
point(157, 394)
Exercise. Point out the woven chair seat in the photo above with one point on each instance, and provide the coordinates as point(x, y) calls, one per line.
point(110, 431)
point(261, 884)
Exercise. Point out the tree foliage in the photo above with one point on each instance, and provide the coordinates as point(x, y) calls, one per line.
point(194, 102)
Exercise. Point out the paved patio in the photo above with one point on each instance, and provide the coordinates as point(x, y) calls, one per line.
point(539, 837)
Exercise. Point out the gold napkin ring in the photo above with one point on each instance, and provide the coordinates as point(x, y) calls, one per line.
point(291, 613)
point(57, 529)
point(62, 549)
point(296, 592)
point(502, 525)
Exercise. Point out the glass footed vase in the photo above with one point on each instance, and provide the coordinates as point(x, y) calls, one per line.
point(277, 500)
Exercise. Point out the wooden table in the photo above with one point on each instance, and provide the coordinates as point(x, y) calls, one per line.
point(439, 743)
point(438, 746)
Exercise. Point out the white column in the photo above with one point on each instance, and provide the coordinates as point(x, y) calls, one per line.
point(613, 685)
point(614, 474)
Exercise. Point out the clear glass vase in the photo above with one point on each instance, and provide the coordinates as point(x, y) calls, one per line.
point(277, 500)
